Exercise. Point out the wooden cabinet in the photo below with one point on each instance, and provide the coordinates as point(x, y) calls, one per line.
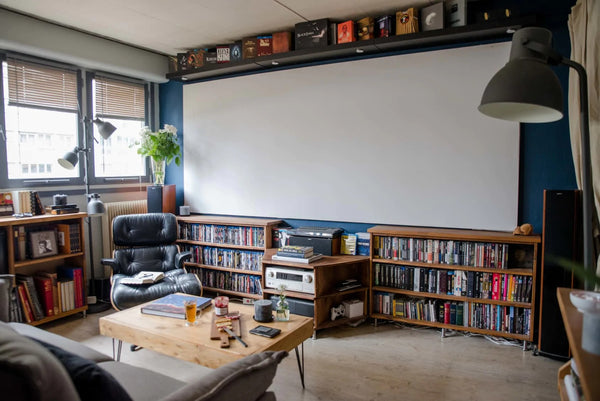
point(478, 281)
point(227, 252)
point(20, 252)
point(329, 271)
point(462, 34)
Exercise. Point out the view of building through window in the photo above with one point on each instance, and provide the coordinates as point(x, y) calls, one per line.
point(117, 156)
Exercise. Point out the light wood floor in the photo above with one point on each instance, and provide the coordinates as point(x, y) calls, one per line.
point(387, 362)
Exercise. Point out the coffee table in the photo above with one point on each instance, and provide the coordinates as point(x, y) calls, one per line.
point(170, 337)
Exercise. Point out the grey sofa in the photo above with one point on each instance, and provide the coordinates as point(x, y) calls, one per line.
point(38, 365)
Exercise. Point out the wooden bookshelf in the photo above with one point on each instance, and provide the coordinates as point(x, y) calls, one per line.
point(397, 252)
point(346, 51)
point(226, 236)
point(328, 272)
point(28, 266)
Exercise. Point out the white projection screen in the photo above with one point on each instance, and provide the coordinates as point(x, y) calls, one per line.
point(390, 140)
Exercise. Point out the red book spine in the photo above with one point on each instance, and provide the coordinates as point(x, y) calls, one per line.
point(78, 283)
point(44, 289)
point(25, 303)
point(495, 286)
point(447, 312)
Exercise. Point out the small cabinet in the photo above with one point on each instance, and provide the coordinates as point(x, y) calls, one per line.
point(329, 271)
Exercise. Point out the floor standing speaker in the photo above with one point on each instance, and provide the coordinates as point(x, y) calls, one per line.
point(561, 237)
point(161, 198)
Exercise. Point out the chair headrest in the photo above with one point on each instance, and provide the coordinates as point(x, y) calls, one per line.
point(144, 229)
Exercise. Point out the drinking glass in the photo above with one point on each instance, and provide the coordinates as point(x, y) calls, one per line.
point(190, 313)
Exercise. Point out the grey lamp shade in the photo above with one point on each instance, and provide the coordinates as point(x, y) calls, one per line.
point(525, 89)
point(69, 160)
point(105, 129)
point(95, 207)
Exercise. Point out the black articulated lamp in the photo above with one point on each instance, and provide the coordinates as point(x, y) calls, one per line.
point(95, 207)
point(527, 90)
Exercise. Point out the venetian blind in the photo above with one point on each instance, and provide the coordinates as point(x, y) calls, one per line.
point(36, 85)
point(119, 99)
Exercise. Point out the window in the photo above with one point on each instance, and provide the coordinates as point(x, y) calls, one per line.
point(123, 104)
point(41, 117)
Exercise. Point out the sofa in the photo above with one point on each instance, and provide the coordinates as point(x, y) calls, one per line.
point(37, 365)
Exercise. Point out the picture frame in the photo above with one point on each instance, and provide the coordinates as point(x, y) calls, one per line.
point(43, 244)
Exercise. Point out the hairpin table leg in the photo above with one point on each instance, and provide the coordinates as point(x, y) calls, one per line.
point(300, 364)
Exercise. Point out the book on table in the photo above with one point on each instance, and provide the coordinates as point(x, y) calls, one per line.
point(293, 259)
point(173, 306)
point(143, 277)
point(295, 251)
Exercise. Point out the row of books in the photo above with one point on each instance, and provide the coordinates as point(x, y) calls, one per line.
point(465, 253)
point(26, 202)
point(218, 234)
point(47, 294)
point(224, 257)
point(496, 286)
point(507, 319)
point(239, 282)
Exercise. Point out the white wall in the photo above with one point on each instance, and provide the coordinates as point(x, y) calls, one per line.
point(393, 140)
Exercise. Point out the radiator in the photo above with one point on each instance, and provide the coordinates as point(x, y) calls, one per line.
point(114, 209)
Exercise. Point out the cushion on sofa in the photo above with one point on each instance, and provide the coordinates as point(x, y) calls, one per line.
point(91, 381)
point(62, 342)
point(244, 380)
point(34, 373)
point(142, 384)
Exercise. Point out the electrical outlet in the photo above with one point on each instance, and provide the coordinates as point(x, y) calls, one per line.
point(248, 301)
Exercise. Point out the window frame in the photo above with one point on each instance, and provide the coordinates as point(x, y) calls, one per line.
point(84, 96)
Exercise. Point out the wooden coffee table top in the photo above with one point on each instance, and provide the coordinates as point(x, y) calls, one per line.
point(169, 336)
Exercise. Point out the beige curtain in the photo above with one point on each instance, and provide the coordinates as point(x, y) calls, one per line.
point(585, 49)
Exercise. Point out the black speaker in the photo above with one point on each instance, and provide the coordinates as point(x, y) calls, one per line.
point(161, 198)
point(561, 237)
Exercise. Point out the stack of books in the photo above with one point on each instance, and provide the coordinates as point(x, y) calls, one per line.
point(296, 254)
point(62, 209)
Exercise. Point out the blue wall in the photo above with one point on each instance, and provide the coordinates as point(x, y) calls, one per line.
point(545, 151)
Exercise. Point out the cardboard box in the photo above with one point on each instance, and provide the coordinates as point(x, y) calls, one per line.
point(353, 308)
point(312, 34)
point(282, 42)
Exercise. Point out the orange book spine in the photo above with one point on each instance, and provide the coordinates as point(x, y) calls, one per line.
point(25, 303)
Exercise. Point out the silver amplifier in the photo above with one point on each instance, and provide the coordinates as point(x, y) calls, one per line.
point(298, 280)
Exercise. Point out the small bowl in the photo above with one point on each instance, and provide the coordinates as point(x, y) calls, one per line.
point(586, 301)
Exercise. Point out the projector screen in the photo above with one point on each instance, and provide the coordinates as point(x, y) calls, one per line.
point(389, 140)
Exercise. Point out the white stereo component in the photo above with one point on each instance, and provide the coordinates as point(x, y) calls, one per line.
point(299, 280)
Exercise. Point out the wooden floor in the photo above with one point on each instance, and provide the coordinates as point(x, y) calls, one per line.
point(388, 362)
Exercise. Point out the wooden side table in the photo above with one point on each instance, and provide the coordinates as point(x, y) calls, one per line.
point(588, 364)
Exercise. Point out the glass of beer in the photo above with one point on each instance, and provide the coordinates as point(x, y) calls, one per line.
point(190, 313)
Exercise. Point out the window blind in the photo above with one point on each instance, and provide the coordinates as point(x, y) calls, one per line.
point(119, 99)
point(36, 85)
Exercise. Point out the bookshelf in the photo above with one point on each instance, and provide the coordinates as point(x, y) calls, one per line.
point(227, 252)
point(379, 46)
point(480, 281)
point(328, 272)
point(22, 263)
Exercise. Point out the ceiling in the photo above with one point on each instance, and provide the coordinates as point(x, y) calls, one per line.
point(173, 26)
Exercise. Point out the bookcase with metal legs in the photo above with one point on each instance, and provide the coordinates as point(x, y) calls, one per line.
point(23, 260)
point(226, 252)
point(477, 281)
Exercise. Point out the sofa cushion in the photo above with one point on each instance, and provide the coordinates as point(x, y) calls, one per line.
point(62, 342)
point(91, 381)
point(244, 380)
point(142, 384)
point(32, 371)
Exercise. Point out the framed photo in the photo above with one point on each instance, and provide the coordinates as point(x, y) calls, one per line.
point(43, 243)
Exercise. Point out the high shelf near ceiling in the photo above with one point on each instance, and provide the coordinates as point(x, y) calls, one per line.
point(477, 281)
point(227, 252)
point(380, 46)
point(24, 262)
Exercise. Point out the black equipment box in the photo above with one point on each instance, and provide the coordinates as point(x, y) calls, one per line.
point(324, 240)
point(297, 306)
point(312, 34)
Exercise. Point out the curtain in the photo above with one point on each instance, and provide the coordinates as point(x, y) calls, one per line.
point(585, 49)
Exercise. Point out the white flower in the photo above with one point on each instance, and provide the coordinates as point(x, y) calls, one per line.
point(171, 129)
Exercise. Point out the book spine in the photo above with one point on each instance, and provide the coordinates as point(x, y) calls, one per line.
point(44, 288)
point(36, 306)
point(25, 303)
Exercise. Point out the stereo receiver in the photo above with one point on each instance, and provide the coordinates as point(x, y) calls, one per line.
point(299, 280)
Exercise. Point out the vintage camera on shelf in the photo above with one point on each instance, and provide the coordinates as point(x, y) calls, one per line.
point(338, 311)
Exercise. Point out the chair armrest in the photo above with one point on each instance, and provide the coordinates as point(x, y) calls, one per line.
point(182, 257)
point(110, 262)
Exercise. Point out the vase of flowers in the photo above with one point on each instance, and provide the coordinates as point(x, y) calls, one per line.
point(162, 147)
point(283, 308)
